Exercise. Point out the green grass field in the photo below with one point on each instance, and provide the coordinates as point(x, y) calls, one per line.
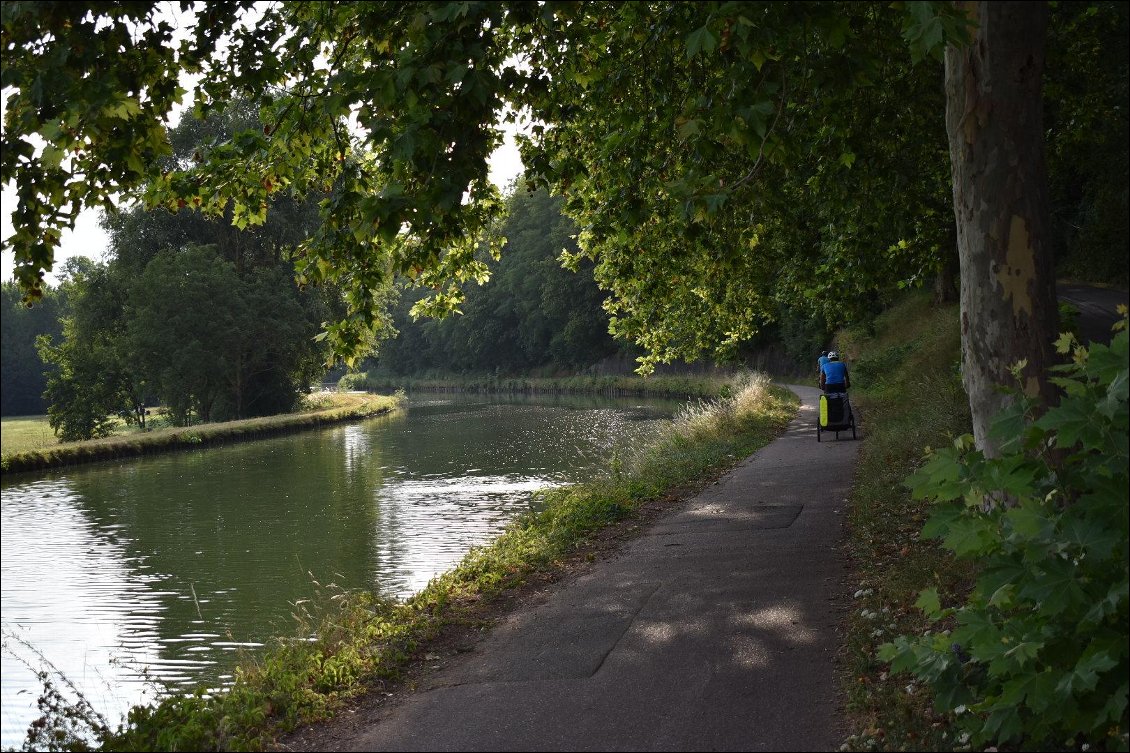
point(22, 433)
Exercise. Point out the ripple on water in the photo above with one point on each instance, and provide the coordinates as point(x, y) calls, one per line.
point(159, 573)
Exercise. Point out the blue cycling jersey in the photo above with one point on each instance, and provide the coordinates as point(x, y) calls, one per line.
point(835, 372)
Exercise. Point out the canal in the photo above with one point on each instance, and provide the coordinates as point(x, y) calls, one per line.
point(146, 576)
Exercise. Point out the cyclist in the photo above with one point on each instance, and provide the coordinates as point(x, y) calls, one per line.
point(834, 374)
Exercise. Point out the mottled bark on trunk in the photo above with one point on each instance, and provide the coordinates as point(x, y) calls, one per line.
point(994, 117)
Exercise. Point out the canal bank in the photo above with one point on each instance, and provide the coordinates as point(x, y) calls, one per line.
point(209, 531)
point(343, 408)
point(365, 642)
point(711, 625)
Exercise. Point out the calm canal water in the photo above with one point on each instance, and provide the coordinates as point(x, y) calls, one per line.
point(137, 577)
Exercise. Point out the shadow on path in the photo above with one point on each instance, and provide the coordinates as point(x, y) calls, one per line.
point(715, 630)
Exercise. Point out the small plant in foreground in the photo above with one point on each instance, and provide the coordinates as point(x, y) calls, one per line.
point(1038, 654)
point(67, 721)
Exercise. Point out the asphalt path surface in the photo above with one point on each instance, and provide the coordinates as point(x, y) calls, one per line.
point(715, 630)
point(1098, 309)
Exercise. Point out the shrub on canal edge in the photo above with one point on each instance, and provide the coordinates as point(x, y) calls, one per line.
point(349, 641)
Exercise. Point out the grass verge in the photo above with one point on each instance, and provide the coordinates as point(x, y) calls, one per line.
point(908, 385)
point(348, 642)
point(334, 408)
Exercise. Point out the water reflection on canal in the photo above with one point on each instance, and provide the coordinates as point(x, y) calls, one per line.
point(156, 573)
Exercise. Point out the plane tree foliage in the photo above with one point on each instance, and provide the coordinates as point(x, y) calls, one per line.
point(663, 124)
point(718, 156)
point(734, 176)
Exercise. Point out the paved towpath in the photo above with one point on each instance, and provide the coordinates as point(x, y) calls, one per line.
point(1098, 308)
point(715, 630)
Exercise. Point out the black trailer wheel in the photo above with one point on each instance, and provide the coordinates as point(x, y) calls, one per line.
point(817, 432)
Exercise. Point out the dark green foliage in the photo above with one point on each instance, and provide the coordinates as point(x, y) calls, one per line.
point(804, 337)
point(1087, 88)
point(219, 345)
point(189, 312)
point(532, 314)
point(1037, 654)
point(188, 332)
point(1069, 318)
point(91, 380)
point(22, 375)
point(873, 369)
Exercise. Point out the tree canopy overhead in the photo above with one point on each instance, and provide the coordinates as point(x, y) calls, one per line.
point(720, 157)
point(664, 124)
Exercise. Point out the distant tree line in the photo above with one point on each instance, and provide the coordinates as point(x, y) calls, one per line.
point(22, 377)
point(536, 317)
point(186, 312)
point(531, 315)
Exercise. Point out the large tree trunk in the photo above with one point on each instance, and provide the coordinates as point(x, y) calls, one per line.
point(994, 116)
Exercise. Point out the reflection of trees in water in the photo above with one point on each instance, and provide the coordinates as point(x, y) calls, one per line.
point(234, 535)
point(223, 540)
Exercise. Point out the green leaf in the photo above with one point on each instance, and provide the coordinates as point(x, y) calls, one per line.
point(1053, 585)
point(1085, 676)
point(1029, 520)
point(940, 478)
point(1095, 538)
point(52, 156)
point(1025, 651)
point(689, 129)
point(929, 603)
point(1109, 604)
point(701, 40)
point(1003, 596)
point(970, 536)
point(1115, 707)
